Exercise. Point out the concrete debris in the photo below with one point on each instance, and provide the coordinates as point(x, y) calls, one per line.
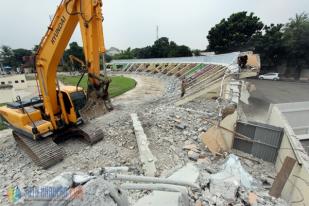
point(94, 191)
point(183, 199)
point(115, 169)
point(224, 186)
point(232, 168)
point(151, 180)
point(229, 122)
point(178, 154)
point(252, 199)
point(190, 147)
point(188, 173)
point(101, 192)
point(193, 155)
point(181, 126)
point(80, 179)
point(227, 110)
point(214, 140)
point(103, 170)
point(63, 180)
point(198, 203)
point(146, 156)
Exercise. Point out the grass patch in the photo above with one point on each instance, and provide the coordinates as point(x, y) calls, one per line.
point(118, 86)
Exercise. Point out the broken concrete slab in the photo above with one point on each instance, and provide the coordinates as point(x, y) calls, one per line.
point(64, 180)
point(100, 192)
point(244, 94)
point(146, 156)
point(182, 200)
point(229, 122)
point(188, 173)
point(228, 180)
point(63, 191)
point(214, 140)
point(225, 186)
point(232, 175)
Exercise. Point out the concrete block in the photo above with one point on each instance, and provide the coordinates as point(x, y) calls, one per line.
point(158, 198)
point(146, 156)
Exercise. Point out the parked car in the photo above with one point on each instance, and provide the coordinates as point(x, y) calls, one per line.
point(270, 76)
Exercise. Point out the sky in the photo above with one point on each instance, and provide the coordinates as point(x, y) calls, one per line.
point(132, 23)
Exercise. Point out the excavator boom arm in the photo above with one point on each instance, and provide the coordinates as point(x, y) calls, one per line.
point(70, 13)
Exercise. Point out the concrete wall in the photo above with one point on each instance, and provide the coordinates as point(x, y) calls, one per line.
point(7, 93)
point(297, 116)
point(304, 74)
point(296, 190)
point(17, 81)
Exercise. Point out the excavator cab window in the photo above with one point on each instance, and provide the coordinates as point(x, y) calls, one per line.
point(79, 101)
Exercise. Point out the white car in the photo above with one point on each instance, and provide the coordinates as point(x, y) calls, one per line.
point(270, 76)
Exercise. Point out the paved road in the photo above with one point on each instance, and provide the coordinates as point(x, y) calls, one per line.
point(273, 92)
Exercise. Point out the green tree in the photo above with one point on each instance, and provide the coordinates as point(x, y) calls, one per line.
point(180, 51)
point(19, 55)
point(196, 52)
point(233, 33)
point(126, 54)
point(142, 53)
point(7, 56)
point(297, 41)
point(161, 48)
point(108, 58)
point(270, 45)
point(75, 50)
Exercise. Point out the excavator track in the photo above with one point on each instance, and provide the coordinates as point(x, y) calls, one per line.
point(88, 132)
point(44, 153)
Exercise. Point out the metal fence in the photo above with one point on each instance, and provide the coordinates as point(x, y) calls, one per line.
point(266, 140)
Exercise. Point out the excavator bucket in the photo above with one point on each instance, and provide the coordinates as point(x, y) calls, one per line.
point(98, 101)
point(95, 107)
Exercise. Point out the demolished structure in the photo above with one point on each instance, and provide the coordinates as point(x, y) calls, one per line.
point(202, 75)
point(173, 150)
point(293, 117)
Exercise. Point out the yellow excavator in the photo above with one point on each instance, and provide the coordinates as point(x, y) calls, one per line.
point(61, 111)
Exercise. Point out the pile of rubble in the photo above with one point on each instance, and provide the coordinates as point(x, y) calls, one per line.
point(180, 156)
point(204, 182)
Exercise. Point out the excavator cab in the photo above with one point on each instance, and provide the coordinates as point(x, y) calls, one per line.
point(74, 99)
